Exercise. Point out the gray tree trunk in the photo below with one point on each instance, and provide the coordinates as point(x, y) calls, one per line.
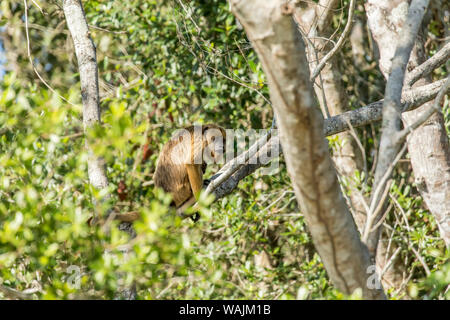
point(274, 35)
point(87, 65)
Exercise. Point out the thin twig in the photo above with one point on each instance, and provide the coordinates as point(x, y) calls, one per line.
point(375, 202)
point(389, 263)
point(361, 148)
point(31, 59)
point(416, 253)
point(339, 43)
point(106, 30)
point(37, 5)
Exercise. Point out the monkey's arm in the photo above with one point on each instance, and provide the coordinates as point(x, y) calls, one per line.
point(195, 178)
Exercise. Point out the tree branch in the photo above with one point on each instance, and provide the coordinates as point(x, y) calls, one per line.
point(16, 294)
point(438, 59)
point(390, 143)
point(412, 98)
point(428, 113)
point(87, 65)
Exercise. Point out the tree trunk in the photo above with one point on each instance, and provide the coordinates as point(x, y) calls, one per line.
point(316, 23)
point(87, 65)
point(274, 35)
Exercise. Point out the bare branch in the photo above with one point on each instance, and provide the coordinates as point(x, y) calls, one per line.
point(376, 205)
point(232, 166)
point(31, 59)
point(16, 294)
point(411, 99)
point(428, 145)
point(324, 12)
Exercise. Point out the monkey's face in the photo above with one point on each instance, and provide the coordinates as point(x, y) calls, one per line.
point(214, 150)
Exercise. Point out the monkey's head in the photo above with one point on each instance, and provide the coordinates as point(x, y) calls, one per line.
point(214, 144)
point(198, 144)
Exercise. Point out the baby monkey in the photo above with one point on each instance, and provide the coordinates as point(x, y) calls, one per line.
point(183, 160)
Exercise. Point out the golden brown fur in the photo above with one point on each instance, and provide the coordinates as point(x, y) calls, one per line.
point(180, 167)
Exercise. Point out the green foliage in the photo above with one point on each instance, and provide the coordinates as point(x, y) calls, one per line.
point(45, 203)
point(161, 67)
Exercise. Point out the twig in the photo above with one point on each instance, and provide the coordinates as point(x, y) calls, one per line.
point(389, 263)
point(37, 5)
point(106, 30)
point(312, 49)
point(375, 202)
point(361, 148)
point(339, 43)
point(31, 59)
point(189, 15)
point(240, 83)
point(406, 239)
point(388, 187)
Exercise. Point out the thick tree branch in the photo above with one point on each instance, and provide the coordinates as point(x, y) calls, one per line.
point(435, 107)
point(16, 294)
point(428, 145)
point(87, 65)
point(245, 170)
point(411, 99)
point(232, 166)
